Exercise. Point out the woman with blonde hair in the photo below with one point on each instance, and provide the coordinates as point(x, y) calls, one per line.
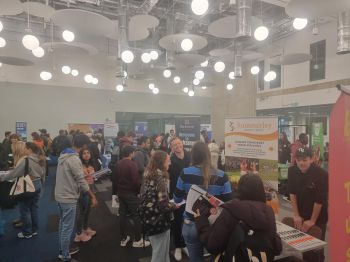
point(214, 181)
point(19, 152)
point(155, 209)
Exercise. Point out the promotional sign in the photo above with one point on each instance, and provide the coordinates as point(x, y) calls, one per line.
point(339, 180)
point(141, 129)
point(251, 145)
point(21, 130)
point(188, 130)
point(111, 129)
point(86, 128)
point(169, 127)
point(317, 139)
point(207, 127)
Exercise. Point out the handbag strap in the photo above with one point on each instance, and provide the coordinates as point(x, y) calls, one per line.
point(26, 166)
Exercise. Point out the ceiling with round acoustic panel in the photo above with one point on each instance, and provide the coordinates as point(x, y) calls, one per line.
point(188, 59)
point(139, 26)
point(85, 22)
point(291, 59)
point(226, 27)
point(251, 55)
point(11, 7)
point(221, 52)
point(70, 49)
point(173, 42)
point(316, 8)
point(39, 10)
point(15, 61)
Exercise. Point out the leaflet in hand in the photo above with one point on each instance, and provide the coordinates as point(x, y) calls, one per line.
point(100, 173)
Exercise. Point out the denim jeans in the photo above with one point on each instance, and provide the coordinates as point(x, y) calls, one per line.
point(160, 247)
point(194, 246)
point(28, 209)
point(66, 227)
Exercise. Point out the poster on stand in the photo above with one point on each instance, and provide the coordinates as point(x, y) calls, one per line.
point(21, 130)
point(251, 145)
point(188, 130)
point(169, 127)
point(141, 129)
point(339, 180)
point(207, 127)
point(111, 129)
point(317, 142)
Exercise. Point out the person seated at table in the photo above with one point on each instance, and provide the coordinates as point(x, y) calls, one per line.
point(249, 210)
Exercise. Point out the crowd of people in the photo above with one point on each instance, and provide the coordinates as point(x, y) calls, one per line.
point(151, 176)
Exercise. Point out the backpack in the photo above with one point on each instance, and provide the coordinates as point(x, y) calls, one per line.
point(245, 245)
point(153, 219)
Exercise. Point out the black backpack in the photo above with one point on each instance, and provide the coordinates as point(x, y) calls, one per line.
point(246, 245)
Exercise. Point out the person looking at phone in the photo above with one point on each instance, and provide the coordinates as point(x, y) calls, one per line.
point(214, 181)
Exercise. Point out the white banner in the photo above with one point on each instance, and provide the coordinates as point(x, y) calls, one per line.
point(111, 129)
point(255, 137)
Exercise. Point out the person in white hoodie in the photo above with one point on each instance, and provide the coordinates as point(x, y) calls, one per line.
point(214, 153)
point(70, 182)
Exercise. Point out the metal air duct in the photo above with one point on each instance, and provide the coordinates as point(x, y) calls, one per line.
point(244, 18)
point(238, 60)
point(343, 33)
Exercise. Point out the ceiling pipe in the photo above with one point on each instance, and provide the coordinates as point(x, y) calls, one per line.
point(244, 18)
point(238, 60)
point(343, 33)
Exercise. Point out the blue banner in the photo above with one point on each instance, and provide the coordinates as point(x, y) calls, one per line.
point(21, 130)
point(141, 129)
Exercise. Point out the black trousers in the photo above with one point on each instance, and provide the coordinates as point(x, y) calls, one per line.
point(176, 227)
point(130, 224)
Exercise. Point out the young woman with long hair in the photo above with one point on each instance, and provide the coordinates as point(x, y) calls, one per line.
point(156, 196)
point(214, 181)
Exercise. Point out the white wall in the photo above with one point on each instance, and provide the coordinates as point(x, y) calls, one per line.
point(53, 107)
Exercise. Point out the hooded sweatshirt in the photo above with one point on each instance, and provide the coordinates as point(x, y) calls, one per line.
point(256, 215)
point(70, 179)
point(36, 171)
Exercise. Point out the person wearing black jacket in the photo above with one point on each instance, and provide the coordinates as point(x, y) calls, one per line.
point(180, 159)
point(250, 208)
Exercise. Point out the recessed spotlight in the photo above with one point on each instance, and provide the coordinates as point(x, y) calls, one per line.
point(191, 93)
point(270, 76)
point(151, 86)
point(177, 79)
point(1, 26)
point(196, 82)
point(229, 86)
point(75, 72)
point(299, 23)
point(68, 36)
point(154, 55)
point(254, 70)
point(44, 75)
point(38, 52)
point(231, 75)
point(94, 81)
point(219, 66)
point(261, 33)
point(2, 42)
point(185, 89)
point(199, 7)
point(205, 63)
point(119, 88)
point(88, 78)
point(204, 87)
point(146, 58)
point(127, 56)
point(66, 70)
point(155, 91)
point(30, 42)
point(167, 73)
point(199, 74)
point(186, 44)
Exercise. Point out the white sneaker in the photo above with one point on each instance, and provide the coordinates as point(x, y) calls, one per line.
point(185, 250)
point(141, 243)
point(125, 241)
point(178, 254)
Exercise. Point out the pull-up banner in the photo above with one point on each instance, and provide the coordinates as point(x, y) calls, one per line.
point(188, 130)
point(339, 180)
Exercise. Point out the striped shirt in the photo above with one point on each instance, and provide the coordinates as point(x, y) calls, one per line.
point(219, 185)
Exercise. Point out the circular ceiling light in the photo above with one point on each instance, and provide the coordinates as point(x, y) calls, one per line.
point(299, 23)
point(66, 70)
point(154, 55)
point(119, 88)
point(151, 86)
point(0, 64)
point(75, 72)
point(45, 75)
point(270, 76)
point(185, 89)
point(38, 52)
point(186, 44)
point(125, 73)
point(167, 73)
point(94, 81)
point(231, 75)
point(177, 79)
point(219, 66)
point(127, 56)
point(199, 7)
point(191, 93)
point(68, 36)
point(254, 70)
point(229, 86)
point(196, 82)
point(155, 91)
point(30, 42)
point(146, 58)
point(199, 74)
point(1, 26)
point(2, 42)
point(205, 63)
point(88, 78)
point(261, 33)
point(204, 87)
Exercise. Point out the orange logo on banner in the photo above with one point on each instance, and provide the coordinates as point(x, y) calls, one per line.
point(347, 126)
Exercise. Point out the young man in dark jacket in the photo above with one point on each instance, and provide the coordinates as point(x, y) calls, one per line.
point(141, 157)
point(127, 183)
